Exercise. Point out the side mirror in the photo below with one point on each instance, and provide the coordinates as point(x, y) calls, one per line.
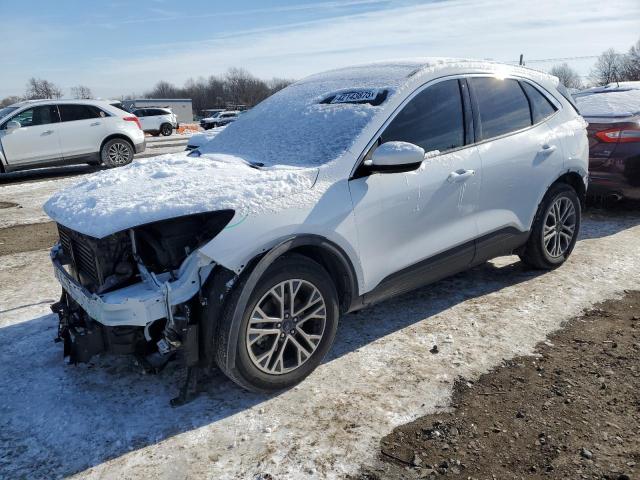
point(13, 125)
point(396, 157)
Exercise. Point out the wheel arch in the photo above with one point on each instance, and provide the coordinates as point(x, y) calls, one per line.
point(324, 252)
point(113, 136)
point(574, 180)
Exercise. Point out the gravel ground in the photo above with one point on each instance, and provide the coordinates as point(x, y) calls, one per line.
point(571, 410)
point(109, 420)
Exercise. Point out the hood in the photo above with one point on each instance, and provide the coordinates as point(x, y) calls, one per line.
point(175, 185)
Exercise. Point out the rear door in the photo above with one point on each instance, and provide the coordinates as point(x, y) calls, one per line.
point(82, 129)
point(520, 154)
point(414, 227)
point(38, 138)
point(145, 120)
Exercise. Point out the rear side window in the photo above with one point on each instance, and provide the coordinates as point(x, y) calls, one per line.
point(433, 119)
point(541, 107)
point(155, 111)
point(71, 113)
point(139, 113)
point(502, 104)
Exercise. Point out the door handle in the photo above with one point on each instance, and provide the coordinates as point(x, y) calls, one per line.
point(546, 148)
point(46, 132)
point(94, 124)
point(460, 175)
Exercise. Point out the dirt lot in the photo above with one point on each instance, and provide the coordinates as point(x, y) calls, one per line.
point(27, 238)
point(571, 410)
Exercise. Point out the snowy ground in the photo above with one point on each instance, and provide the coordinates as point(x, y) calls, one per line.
point(109, 420)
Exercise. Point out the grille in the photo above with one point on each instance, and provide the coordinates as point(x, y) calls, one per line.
point(82, 256)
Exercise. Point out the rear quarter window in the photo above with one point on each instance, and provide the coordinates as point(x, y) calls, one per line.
point(502, 104)
point(541, 107)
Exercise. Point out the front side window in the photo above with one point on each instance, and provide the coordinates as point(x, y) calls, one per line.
point(541, 107)
point(502, 104)
point(70, 113)
point(35, 116)
point(433, 119)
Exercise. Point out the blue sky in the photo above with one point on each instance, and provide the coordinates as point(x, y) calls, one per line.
point(122, 47)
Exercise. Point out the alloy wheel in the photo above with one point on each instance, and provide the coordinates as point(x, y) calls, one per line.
point(286, 326)
point(118, 154)
point(559, 227)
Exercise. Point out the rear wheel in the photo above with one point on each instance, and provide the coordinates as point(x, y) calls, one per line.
point(166, 130)
point(116, 152)
point(287, 327)
point(555, 229)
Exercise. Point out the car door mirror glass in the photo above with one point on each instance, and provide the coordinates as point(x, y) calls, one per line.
point(394, 157)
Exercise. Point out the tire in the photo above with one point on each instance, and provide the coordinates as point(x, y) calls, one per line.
point(116, 153)
point(560, 201)
point(166, 130)
point(251, 370)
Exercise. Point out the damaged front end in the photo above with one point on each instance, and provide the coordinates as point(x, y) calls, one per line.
point(138, 291)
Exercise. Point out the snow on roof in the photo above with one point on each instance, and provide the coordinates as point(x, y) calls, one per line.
point(175, 185)
point(294, 126)
point(623, 103)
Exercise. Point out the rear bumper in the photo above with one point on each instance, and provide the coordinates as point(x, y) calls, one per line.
point(140, 147)
point(140, 304)
point(612, 185)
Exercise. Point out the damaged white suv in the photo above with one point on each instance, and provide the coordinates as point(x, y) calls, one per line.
point(339, 191)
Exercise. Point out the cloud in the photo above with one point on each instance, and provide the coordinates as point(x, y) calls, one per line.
point(462, 28)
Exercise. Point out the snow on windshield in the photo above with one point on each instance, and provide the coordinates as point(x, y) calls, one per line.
point(610, 104)
point(292, 128)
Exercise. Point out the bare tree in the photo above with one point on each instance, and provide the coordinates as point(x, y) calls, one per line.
point(38, 88)
point(567, 75)
point(608, 68)
point(242, 88)
point(163, 90)
point(81, 92)
point(236, 87)
point(631, 65)
point(277, 84)
point(5, 102)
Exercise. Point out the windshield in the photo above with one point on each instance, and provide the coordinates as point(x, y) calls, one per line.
point(6, 111)
point(298, 126)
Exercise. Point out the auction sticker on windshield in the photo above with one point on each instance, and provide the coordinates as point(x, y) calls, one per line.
point(356, 96)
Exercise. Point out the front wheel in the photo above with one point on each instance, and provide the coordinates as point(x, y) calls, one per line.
point(287, 326)
point(116, 152)
point(555, 229)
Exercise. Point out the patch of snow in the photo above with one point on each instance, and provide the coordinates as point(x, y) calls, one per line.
point(170, 186)
point(608, 104)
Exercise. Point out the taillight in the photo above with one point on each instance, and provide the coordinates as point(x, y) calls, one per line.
point(619, 135)
point(133, 119)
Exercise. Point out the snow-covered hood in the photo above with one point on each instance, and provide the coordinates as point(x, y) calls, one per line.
point(174, 185)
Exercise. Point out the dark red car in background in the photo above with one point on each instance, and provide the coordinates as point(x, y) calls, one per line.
point(613, 113)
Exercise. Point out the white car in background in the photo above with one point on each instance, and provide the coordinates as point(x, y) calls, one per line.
point(40, 133)
point(157, 121)
point(339, 191)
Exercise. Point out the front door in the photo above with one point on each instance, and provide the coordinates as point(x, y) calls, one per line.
point(414, 226)
point(37, 139)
